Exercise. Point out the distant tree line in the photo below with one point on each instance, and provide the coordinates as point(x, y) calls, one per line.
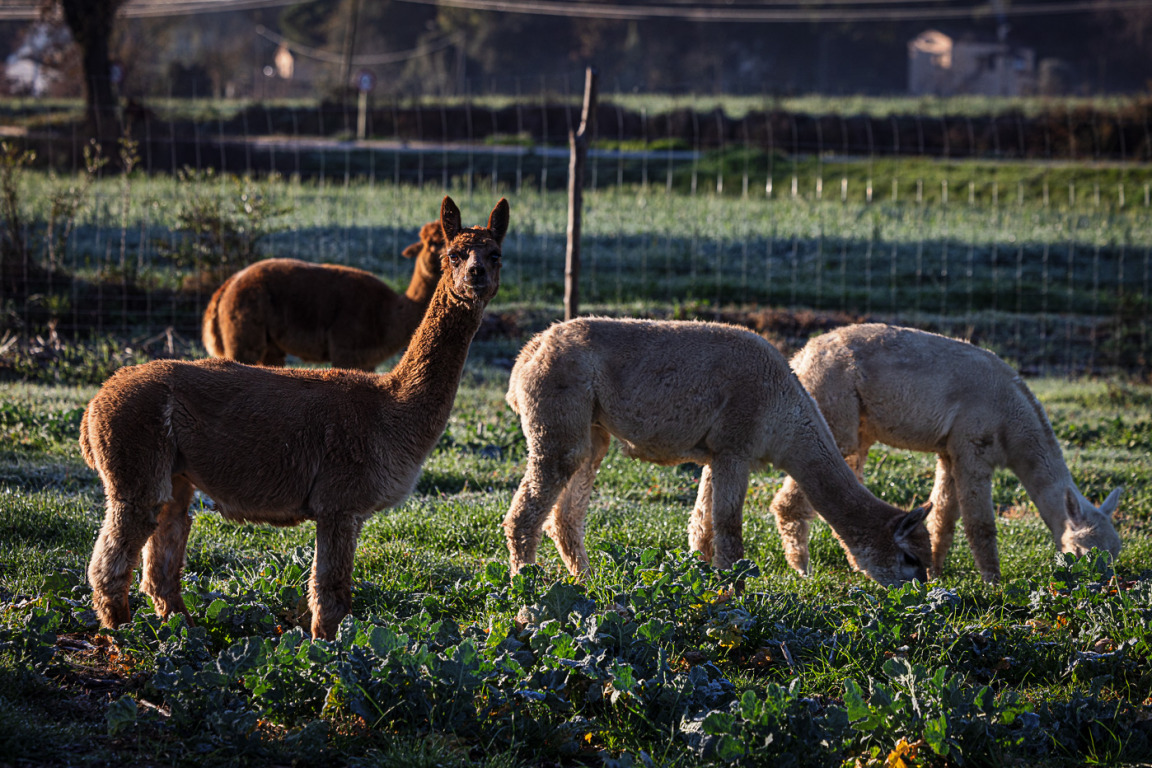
point(448, 51)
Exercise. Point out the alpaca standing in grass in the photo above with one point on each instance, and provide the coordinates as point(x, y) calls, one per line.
point(278, 446)
point(673, 392)
point(320, 312)
point(920, 391)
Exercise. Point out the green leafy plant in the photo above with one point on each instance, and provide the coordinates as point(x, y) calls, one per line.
point(65, 203)
point(13, 238)
point(222, 219)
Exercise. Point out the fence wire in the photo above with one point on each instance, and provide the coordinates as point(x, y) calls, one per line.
point(1029, 233)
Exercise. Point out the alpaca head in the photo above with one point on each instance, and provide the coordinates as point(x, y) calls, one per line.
point(909, 558)
point(430, 250)
point(1089, 526)
point(472, 255)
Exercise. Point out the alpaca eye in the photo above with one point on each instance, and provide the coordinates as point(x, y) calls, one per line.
point(454, 255)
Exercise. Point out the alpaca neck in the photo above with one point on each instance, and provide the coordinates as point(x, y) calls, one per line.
point(1034, 456)
point(1040, 466)
point(834, 491)
point(815, 463)
point(425, 381)
point(411, 307)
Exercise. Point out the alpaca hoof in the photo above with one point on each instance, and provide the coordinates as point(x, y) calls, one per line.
point(515, 566)
point(112, 614)
point(321, 632)
point(797, 562)
point(325, 624)
point(166, 606)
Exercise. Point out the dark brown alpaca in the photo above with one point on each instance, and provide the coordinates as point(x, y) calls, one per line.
point(278, 446)
point(320, 312)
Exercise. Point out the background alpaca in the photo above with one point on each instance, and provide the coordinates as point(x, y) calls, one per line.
point(320, 312)
point(672, 392)
point(923, 392)
point(278, 446)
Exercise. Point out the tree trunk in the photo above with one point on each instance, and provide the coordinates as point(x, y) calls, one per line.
point(90, 22)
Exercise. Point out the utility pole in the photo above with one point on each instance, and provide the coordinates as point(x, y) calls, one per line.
point(349, 48)
point(1002, 39)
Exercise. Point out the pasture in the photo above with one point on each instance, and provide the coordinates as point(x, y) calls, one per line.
point(1050, 265)
point(655, 660)
point(444, 661)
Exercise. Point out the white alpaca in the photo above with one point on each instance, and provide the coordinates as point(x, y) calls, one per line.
point(924, 392)
point(674, 392)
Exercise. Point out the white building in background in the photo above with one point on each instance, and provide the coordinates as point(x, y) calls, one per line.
point(938, 65)
point(27, 70)
point(285, 62)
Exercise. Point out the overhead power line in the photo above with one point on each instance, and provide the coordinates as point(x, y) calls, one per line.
point(831, 11)
point(320, 54)
point(29, 10)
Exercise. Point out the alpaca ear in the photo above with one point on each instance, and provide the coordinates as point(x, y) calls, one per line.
point(411, 251)
point(1108, 506)
point(1072, 507)
point(450, 219)
point(431, 233)
point(498, 221)
point(912, 520)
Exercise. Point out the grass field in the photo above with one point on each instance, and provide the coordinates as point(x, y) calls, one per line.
point(652, 661)
point(674, 219)
point(1051, 264)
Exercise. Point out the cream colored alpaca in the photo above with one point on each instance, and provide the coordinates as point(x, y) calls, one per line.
point(674, 392)
point(320, 312)
point(923, 392)
point(278, 446)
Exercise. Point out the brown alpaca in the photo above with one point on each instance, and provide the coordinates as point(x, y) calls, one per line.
point(320, 312)
point(278, 446)
point(673, 392)
point(921, 391)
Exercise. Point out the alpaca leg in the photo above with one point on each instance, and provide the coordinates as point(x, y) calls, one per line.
point(122, 536)
point(565, 525)
point(700, 533)
point(857, 459)
point(272, 356)
point(729, 486)
point(164, 552)
point(972, 483)
point(351, 359)
point(794, 522)
point(330, 587)
point(942, 519)
point(245, 341)
point(545, 479)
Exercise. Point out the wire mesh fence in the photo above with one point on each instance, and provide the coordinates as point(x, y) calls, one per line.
point(1025, 229)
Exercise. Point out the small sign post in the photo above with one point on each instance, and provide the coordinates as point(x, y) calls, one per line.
point(365, 82)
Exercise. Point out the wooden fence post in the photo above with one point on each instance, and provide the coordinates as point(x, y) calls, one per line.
point(578, 153)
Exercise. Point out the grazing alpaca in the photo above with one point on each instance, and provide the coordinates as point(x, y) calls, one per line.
point(672, 392)
point(923, 392)
point(278, 446)
point(320, 312)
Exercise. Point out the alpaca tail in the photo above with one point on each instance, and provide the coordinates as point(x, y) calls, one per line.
point(210, 328)
point(85, 446)
point(526, 354)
